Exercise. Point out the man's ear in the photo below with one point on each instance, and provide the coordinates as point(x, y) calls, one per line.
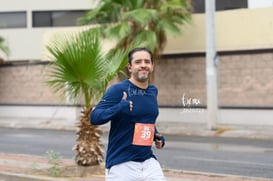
point(153, 66)
point(129, 67)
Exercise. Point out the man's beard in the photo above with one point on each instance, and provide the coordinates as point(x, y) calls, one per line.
point(141, 78)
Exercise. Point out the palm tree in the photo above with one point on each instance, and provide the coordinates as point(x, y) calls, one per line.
point(3, 48)
point(81, 69)
point(141, 20)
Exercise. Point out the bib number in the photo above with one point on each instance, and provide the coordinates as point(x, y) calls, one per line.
point(143, 134)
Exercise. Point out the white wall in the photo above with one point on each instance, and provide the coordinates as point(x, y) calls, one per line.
point(8, 5)
point(260, 3)
point(24, 44)
point(41, 112)
point(28, 43)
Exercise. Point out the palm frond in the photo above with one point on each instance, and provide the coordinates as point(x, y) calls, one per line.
point(118, 31)
point(141, 16)
point(168, 27)
point(148, 37)
point(3, 47)
point(101, 13)
point(135, 4)
point(132, 18)
point(77, 62)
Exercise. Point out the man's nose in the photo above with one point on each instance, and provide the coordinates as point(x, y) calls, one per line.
point(143, 64)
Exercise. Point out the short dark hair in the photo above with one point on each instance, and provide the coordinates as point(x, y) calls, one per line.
point(130, 54)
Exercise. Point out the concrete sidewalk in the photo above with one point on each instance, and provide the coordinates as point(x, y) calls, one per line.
point(248, 123)
point(255, 124)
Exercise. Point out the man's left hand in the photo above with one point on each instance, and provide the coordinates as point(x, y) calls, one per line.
point(159, 141)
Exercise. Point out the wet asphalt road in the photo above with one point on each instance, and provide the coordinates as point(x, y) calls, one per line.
point(236, 156)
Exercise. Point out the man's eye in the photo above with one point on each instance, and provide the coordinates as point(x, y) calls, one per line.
point(147, 61)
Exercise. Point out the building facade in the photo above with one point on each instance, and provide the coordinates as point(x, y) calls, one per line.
point(244, 39)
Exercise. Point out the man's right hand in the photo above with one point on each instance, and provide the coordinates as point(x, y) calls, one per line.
point(124, 98)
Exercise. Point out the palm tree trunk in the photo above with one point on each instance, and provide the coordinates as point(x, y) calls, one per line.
point(89, 150)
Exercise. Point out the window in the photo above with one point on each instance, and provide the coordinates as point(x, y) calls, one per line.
point(55, 18)
point(13, 19)
point(199, 5)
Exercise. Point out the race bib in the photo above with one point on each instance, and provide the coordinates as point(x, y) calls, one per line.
point(143, 134)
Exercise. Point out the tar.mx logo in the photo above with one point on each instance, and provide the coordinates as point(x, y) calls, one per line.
point(191, 104)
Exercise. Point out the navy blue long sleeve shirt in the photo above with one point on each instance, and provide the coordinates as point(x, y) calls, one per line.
point(113, 108)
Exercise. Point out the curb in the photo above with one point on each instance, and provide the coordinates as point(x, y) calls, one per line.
point(211, 174)
point(8, 176)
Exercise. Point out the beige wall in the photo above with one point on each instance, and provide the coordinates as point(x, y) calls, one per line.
point(242, 29)
point(25, 84)
point(245, 80)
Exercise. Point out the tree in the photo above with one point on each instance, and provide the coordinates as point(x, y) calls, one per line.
point(82, 70)
point(139, 21)
point(3, 48)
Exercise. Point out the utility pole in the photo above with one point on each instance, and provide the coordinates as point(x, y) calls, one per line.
point(211, 66)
